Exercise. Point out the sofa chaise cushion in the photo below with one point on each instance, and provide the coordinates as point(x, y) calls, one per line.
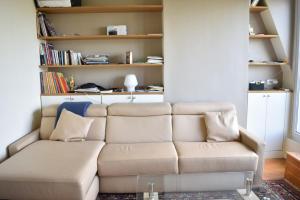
point(136, 159)
point(201, 157)
point(50, 170)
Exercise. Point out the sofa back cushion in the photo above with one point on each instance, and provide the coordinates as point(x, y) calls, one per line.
point(138, 123)
point(188, 120)
point(97, 128)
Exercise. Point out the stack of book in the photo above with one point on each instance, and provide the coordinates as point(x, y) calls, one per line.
point(155, 88)
point(53, 83)
point(46, 27)
point(95, 60)
point(155, 60)
point(50, 56)
point(54, 3)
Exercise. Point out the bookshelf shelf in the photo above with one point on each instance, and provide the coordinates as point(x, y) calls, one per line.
point(103, 9)
point(100, 37)
point(258, 64)
point(99, 66)
point(262, 36)
point(257, 9)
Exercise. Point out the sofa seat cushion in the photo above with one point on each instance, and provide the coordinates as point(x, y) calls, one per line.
point(50, 170)
point(198, 157)
point(136, 159)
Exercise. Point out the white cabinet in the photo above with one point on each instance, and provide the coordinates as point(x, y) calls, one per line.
point(54, 100)
point(104, 99)
point(268, 118)
point(58, 99)
point(109, 99)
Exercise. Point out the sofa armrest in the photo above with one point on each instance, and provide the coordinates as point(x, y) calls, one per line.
point(258, 147)
point(23, 142)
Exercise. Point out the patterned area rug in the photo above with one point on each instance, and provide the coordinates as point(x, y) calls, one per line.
point(270, 190)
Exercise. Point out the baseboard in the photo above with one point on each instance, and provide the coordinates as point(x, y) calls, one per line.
point(274, 154)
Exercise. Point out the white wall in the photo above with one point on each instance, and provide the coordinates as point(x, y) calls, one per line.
point(19, 73)
point(206, 51)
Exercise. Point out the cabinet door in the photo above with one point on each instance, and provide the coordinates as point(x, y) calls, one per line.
point(275, 124)
point(256, 120)
point(95, 99)
point(54, 100)
point(109, 99)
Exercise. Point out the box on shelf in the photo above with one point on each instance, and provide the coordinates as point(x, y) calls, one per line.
point(257, 85)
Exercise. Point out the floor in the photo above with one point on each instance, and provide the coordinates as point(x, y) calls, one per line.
point(274, 169)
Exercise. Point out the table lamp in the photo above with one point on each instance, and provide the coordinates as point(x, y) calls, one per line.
point(130, 82)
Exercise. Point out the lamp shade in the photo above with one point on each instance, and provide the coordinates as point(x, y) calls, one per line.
point(130, 82)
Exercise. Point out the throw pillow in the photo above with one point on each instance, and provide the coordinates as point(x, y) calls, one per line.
point(222, 126)
point(71, 127)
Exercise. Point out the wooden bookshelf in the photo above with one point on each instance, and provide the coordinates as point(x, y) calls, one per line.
point(103, 9)
point(257, 9)
point(262, 36)
point(258, 64)
point(100, 37)
point(99, 66)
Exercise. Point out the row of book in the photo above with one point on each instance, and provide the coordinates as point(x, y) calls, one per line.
point(50, 56)
point(46, 27)
point(53, 83)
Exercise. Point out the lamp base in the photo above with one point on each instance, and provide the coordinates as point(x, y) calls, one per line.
point(130, 89)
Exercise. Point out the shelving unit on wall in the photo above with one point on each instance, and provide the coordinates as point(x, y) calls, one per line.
point(144, 38)
point(267, 56)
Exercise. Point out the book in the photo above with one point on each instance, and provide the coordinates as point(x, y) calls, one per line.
point(54, 3)
point(53, 83)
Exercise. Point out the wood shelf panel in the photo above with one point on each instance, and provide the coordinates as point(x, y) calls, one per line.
point(113, 93)
point(103, 9)
point(257, 64)
point(262, 36)
point(255, 9)
point(99, 66)
point(100, 37)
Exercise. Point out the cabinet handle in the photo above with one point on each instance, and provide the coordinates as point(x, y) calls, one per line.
point(71, 98)
point(268, 96)
point(264, 96)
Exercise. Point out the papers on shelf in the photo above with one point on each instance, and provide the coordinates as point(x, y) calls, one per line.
point(54, 3)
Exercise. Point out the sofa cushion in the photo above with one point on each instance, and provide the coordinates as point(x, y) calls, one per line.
point(50, 170)
point(222, 126)
point(200, 108)
point(95, 111)
point(198, 157)
point(136, 159)
point(188, 120)
point(71, 127)
point(189, 128)
point(139, 109)
point(121, 129)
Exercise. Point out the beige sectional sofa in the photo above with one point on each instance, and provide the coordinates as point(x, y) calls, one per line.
point(126, 141)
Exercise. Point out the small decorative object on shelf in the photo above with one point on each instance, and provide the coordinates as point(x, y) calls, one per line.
point(72, 83)
point(116, 30)
point(251, 30)
point(130, 82)
point(257, 85)
point(129, 59)
point(254, 2)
